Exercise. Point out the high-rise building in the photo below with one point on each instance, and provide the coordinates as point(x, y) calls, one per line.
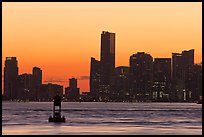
point(73, 83)
point(25, 87)
point(48, 91)
point(193, 83)
point(141, 76)
point(72, 92)
point(188, 58)
point(10, 78)
point(107, 60)
point(177, 77)
point(94, 78)
point(199, 82)
point(181, 63)
point(37, 76)
point(187, 66)
point(121, 83)
point(161, 79)
point(102, 72)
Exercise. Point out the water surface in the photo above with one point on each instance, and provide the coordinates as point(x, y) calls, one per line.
point(87, 118)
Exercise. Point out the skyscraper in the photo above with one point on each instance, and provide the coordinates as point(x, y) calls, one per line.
point(193, 83)
point(37, 78)
point(10, 77)
point(94, 77)
point(161, 79)
point(141, 65)
point(73, 83)
point(25, 87)
point(121, 83)
point(72, 92)
point(188, 58)
point(187, 66)
point(48, 91)
point(177, 76)
point(181, 63)
point(107, 60)
point(37, 74)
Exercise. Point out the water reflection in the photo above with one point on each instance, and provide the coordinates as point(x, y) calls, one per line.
point(103, 118)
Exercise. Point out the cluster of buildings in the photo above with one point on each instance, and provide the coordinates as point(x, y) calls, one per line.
point(175, 79)
point(29, 87)
point(146, 79)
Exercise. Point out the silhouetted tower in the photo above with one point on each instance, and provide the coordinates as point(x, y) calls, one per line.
point(107, 60)
point(72, 92)
point(177, 76)
point(141, 76)
point(94, 77)
point(25, 87)
point(188, 58)
point(181, 63)
point(37, 76)
point(161, 79)
point(188, 65)
point(73, 83)
point(121, 82)
point(193, 83)
point(10, 77)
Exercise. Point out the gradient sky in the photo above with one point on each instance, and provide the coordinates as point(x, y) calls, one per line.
point(61, 38)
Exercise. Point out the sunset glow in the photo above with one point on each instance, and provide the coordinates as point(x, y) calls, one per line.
point(60, 38)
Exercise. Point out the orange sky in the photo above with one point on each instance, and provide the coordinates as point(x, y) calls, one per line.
point(60, 38)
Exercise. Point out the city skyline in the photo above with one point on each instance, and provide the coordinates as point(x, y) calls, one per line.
point(65, 50)
point(148, 73)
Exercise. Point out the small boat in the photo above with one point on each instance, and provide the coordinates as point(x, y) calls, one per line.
point(57, 111)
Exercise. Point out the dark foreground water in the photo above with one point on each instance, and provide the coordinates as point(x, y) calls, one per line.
point(103, 118)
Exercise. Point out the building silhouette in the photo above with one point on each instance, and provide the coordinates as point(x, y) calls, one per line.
point(181, 63)
point(107, 60)
point(198, 79)
point(10, 78)
point(193, 83)
point(72, 92)
point(177, 77)
point(37, 74)
point(73, 83)
point(121, 83)
point(188, 65)
point(37, 78)
point(188, 58)
point(25, 89)
point(94, 78)
point(141, 76)
point(161, 79)
point(48, 91)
